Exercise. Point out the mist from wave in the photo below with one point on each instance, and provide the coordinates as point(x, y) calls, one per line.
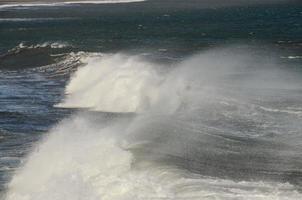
point(222, 124)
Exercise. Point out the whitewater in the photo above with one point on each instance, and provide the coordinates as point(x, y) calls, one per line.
point(63, 3)
point(200, 128)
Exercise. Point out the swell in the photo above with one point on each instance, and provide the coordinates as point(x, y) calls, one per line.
point(20, 57)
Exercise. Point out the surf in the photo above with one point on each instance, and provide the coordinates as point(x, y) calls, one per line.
point(201, 128)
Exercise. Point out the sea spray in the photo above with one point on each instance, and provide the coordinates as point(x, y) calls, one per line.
point(84, 158)
point(196, 130)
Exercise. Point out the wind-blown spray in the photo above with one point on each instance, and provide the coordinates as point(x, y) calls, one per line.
point(215, 126)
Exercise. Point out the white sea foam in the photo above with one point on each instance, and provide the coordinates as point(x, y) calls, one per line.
point(121, 83)
point(53, 45)
point(34, 19)
point(83, 160)
point(28, 5)
point(15, 19)
point(292, 57)
point(101, 157)
point(126, 84)
point(293, 112)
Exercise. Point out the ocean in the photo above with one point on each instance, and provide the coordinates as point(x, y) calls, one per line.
point(119, 100)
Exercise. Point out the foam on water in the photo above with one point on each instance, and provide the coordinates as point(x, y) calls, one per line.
point(34, 19)
point(28, 5)
point(53, 45)
point(199, 132)
point(121, 83)
point(128, 87)
point(83, 160)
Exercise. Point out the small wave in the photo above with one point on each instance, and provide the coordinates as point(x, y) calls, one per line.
point(20, 57)
point(292, 57)
point(28, 5)
point(53, 45)
point(36, 19)
point(16, 19)
point(66, 66)
point(24, 46)
point(292, 112)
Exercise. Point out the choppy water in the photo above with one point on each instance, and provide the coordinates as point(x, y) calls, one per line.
point(151, 100)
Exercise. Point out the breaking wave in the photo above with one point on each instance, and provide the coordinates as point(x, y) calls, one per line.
point(210, 127)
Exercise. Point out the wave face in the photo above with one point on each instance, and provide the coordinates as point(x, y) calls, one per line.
point(223, 124)
point(20, 57)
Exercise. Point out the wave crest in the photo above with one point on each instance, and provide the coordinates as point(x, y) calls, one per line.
point(53, 45)
point(116, 83)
